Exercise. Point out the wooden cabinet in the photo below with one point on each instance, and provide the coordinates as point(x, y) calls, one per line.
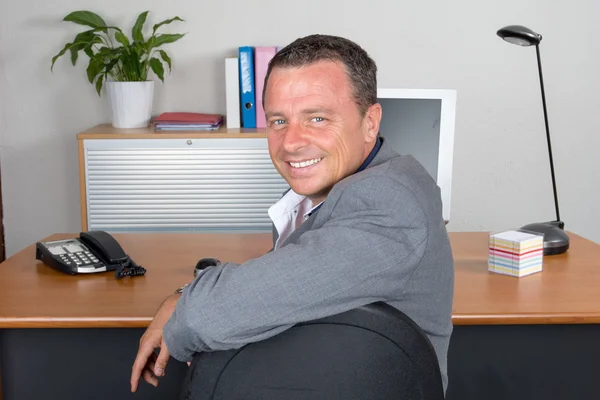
point(139, 180)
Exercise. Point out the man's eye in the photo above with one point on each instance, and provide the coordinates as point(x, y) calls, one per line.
point(318, 119)
point(278, 122)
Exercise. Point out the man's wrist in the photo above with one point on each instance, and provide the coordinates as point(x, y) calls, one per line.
point(180, 290)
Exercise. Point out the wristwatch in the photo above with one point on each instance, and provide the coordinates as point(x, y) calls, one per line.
point(180, 290)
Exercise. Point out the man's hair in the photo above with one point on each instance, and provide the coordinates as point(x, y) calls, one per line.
point(360, 68)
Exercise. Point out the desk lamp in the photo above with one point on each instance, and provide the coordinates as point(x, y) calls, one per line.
point(556, 240)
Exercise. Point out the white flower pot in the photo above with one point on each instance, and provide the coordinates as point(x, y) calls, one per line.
point(131, 103)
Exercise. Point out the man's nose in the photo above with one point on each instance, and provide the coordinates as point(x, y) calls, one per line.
point(295, 138)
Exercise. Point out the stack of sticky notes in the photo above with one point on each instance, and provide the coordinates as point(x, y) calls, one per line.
point(515, 253)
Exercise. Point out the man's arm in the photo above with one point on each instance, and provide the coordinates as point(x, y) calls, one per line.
point(366, 252)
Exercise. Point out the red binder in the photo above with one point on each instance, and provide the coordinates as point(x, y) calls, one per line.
point(188, 118)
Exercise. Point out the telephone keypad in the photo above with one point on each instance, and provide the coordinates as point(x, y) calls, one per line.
point(80, 258)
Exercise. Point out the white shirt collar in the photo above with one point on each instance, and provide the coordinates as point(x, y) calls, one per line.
point(284, 214)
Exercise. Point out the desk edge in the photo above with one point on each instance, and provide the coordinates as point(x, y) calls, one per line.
point(91, 322)
point(527, 319)
point(143, 322)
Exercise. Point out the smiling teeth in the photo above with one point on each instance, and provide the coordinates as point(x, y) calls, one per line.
point(305, 163)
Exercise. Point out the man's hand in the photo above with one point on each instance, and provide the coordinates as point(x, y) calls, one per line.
point(147, 364)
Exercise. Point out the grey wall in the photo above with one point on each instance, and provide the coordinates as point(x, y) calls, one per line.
point(501, 169)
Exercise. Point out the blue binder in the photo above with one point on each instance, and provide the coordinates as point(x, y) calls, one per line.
point(247, 94)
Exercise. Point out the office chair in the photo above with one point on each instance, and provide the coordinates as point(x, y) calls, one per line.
point(374, 352)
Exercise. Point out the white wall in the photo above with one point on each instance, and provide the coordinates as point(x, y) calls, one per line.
point(501, 174)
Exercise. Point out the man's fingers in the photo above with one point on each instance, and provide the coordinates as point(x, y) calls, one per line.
point(162, 360)
point(152, 338)
point(150, 366)
point(141, 359)
point(150, 377)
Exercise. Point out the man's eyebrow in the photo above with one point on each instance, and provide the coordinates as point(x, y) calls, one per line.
point(317, 110)
point(270, 114)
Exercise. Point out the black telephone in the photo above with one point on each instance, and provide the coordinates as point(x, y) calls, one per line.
point(93, 251)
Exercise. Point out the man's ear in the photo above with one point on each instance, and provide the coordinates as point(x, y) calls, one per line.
point(372, 121)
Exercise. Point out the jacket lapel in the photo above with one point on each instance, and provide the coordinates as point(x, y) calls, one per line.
point(384, 154)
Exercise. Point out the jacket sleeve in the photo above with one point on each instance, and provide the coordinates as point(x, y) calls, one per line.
point(366, 252)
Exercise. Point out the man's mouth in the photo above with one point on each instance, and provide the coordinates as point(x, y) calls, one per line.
point(303, 164)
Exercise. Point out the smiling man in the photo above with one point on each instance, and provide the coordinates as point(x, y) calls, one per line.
point(360, 223)
point(318, 134)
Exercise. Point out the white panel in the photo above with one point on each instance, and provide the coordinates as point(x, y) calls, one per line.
point(180, 184)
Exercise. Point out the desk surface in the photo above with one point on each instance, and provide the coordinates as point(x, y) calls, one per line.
point(33, 295)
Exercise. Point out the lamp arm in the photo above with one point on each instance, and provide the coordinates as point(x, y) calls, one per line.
point(537, 50)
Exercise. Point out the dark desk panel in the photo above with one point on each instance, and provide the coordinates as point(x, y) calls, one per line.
point(495, 362)
point(76, 364)
point(524, 362)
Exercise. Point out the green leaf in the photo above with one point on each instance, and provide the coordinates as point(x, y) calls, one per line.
point(94, 68)
point(107, 54)
point(166, 58)
point(136, 32)
point(87, 18)
point(105, 51)
point(165, 22)
point(86, 36)
point(121, 38)
point(83, 38)
point(149, 45)
point(131, 68)
point(74, 52)
point(167, 38)
point(88, 51)
point(99, 84)
point(158, 69)
point(63, 51)
point(84, 41)
point(139, 47)
point(108, 67)
point(67, 47)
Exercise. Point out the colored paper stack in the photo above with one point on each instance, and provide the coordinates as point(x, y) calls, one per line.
point(187, 121)
point(515, 253)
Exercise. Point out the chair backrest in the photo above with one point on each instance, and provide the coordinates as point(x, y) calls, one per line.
point(372, 352)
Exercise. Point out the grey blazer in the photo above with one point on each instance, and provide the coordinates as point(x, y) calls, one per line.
point(379, 236)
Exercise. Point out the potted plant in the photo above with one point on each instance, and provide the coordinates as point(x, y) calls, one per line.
point(122, 64)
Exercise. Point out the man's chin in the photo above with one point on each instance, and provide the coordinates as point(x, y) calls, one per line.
point(303, 190)
point(312, 192)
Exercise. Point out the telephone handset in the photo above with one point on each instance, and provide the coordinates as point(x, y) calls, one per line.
point(93, 251)
point(105, 246)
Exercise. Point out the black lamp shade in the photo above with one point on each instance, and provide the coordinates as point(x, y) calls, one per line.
point(520, 35)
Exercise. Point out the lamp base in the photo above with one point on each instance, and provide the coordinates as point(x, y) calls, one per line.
point(556, 240)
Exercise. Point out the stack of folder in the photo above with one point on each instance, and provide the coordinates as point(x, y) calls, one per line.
point(244, 83)
point(515, 253)
point(187, 121)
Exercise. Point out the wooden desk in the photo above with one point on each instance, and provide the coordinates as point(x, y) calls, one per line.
point(566, 292)
point(514, 338)
point(30, 291)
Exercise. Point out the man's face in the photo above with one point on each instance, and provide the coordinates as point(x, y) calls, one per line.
point(315, 132)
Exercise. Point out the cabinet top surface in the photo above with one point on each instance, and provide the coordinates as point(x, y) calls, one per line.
point(107, 131)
